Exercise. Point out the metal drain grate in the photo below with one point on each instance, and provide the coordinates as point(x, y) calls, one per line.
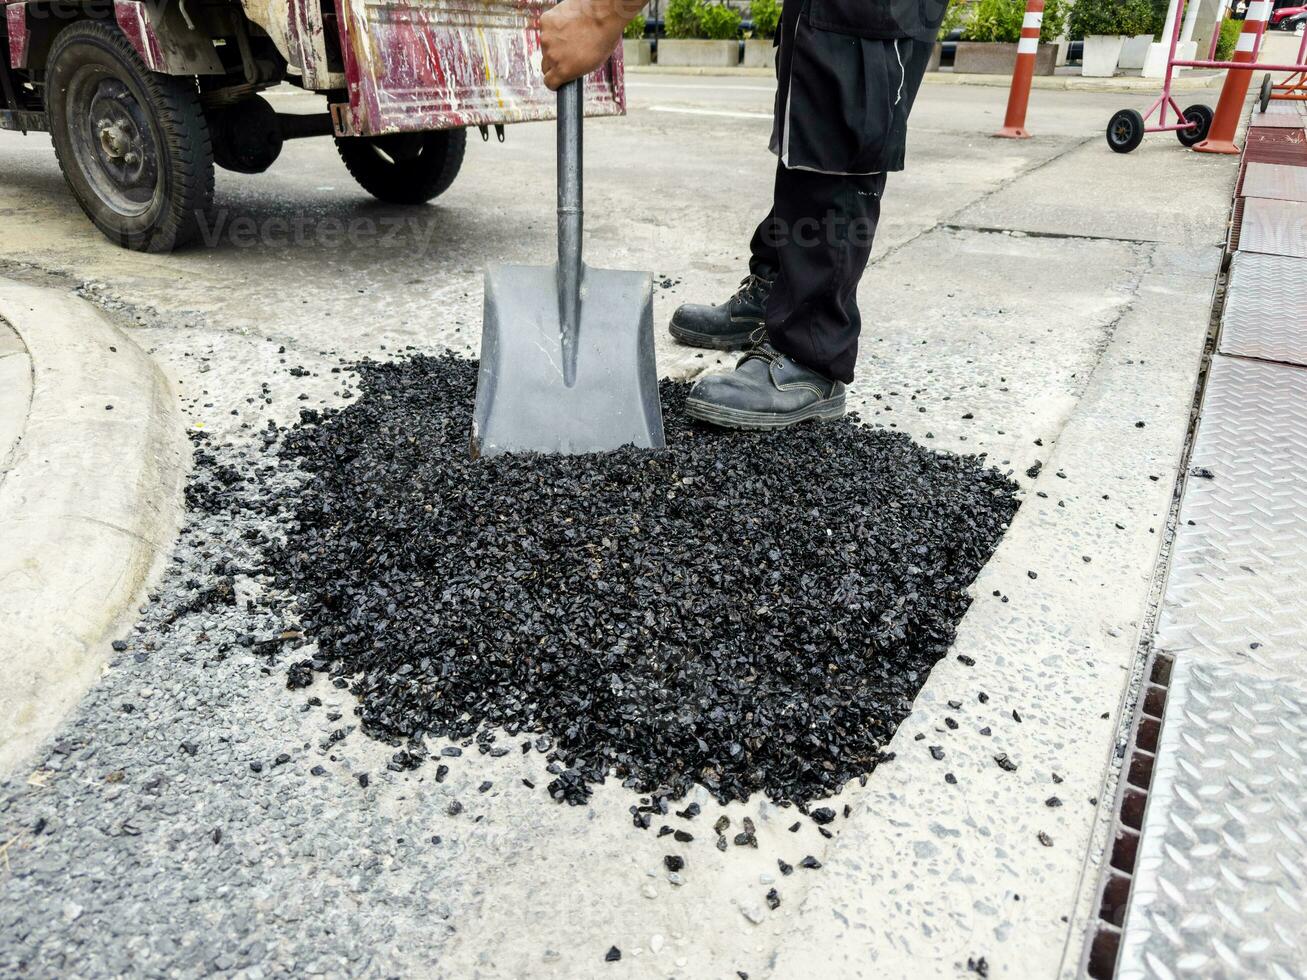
point(1267, 144)
point(1236, 222)
point(1102, 951)
point(1219, 879)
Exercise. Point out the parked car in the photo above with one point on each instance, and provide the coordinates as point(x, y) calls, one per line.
point(142, 99)
point(1284, 13)
point(1295, 22)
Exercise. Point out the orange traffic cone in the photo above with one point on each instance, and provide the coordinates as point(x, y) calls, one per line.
point(1014, 124)
point(1220, 137)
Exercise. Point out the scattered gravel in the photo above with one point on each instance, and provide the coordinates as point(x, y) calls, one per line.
point(753, 613)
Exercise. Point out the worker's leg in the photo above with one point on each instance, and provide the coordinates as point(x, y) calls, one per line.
point(826, 224)
point(823, 226)
point(763, 257)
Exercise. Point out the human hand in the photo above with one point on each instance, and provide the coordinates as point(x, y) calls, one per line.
point(578, 36)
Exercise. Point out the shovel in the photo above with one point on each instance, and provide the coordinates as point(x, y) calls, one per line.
point(567, 352)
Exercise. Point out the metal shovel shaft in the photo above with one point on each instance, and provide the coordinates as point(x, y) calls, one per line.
point(570, 222)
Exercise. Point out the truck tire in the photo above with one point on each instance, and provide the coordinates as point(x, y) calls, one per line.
point(404, 168)
point(132, 144)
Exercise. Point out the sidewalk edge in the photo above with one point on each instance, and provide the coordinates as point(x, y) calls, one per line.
point(88, 511)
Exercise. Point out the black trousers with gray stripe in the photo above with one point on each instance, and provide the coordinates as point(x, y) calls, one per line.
point(814, 244)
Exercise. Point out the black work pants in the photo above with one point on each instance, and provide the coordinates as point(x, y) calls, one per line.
point(815, 243)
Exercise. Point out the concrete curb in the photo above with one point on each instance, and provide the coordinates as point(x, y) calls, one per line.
point(90, 503)
point(1071, 83)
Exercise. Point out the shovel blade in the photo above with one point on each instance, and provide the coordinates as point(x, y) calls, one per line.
point(524, 401)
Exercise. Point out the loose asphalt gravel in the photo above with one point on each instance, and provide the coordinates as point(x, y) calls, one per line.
point(754, 613)
point(749, 612)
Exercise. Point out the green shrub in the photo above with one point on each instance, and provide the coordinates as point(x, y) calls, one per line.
point(719, 22)
point(634, 29)
point(1229, 38)
point(682, 18)
point(765, 14)
point(954, 17)
point(994, 20)
point(1055, 14)
point(1128, 17)
point(1000, 20)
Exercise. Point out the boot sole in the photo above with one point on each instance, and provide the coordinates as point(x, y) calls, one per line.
point(731, 341)
point(739, 418)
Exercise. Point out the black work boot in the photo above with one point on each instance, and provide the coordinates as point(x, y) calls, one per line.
point(767, 390)
point(733, 325)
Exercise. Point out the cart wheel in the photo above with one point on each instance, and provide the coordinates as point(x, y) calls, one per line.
point(1125, 131)
point(132, 144)
point(404, 168)
point(1265, 99)
point(1201, 116)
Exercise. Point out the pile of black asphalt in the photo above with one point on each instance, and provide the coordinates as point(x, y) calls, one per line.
point(750, 612)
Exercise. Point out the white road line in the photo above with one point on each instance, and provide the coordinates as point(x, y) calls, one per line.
point(715, 89)
point(711, 112)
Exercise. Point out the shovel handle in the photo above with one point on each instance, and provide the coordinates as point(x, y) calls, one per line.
point(571, 98)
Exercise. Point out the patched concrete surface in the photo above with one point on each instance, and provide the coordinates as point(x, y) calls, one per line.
point(1036, 298)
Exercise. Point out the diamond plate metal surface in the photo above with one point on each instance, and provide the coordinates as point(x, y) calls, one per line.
point(1266, 307)
point(1273, 227)
point(1220, 886)
point(1238, 580)
point(1285, 119)
point(1275, 181)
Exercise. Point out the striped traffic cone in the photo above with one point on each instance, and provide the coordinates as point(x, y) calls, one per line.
point(1014, 123)
point(1220, 137)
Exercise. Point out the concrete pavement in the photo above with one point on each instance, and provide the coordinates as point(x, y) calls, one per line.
point(1033, 301)
point(92, 458)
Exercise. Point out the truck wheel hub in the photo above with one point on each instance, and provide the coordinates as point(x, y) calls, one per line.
point(113, 141)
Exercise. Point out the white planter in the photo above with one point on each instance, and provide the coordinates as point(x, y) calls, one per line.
point(1155, 63)
point(1134, 51)
point(699, 54)
point(637, 52)
point(759, 53)
point(1100, 55)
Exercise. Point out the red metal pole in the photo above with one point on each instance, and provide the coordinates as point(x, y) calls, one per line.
point(1220, 138)
point(1014, 123)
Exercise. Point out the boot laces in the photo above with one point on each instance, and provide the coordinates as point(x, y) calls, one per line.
point(762, 350)
point(753, 288)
